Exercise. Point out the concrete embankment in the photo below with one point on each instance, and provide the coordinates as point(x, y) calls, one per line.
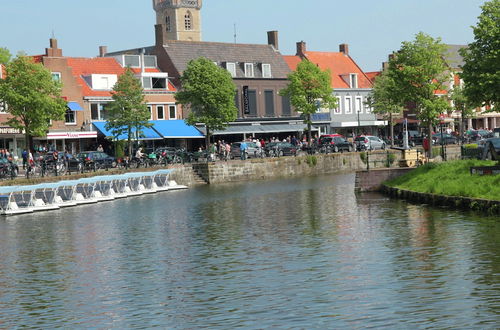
point(476, 204)
point(268, 168)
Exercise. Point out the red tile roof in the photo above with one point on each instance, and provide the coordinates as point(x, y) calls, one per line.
point(338, 64)
point(100, 65)
point(373, 75)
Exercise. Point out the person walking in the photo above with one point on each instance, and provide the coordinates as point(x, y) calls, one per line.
point(243, 150)
point(100, 148)
point(24, 155)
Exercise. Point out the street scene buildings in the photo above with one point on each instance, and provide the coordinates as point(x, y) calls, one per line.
point(259, 72)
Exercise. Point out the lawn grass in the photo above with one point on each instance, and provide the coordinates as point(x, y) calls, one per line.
point(451, 179)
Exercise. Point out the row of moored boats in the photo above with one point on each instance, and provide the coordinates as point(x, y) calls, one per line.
point(55, 195)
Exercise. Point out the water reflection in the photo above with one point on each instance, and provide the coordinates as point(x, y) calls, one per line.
point(305, 253)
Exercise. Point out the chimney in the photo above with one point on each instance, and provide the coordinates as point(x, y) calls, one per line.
point(272, 39)
point(385, 66)
point(344, 48)
point(53, 51)
point(301, 49)
point(103, 50)
point(160, 35)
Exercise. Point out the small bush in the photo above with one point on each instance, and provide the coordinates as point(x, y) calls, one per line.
point(362, 155)
point(390, 159)
point(470, 146)
point(344, 161)
point(311, 160)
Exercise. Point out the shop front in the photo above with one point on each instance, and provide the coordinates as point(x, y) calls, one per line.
point(12, 139)
point(73, 141)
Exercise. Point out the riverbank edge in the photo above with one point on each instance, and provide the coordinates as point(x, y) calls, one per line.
point(488, 206)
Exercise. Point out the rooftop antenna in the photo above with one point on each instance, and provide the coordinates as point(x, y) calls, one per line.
point(53, 34)
point(234, 32)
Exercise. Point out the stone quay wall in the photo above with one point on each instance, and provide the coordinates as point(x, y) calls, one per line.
point(374, 179)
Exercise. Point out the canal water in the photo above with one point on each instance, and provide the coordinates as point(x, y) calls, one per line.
point(300, 253)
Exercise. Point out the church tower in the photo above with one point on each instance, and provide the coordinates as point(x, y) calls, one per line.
point(179, 19)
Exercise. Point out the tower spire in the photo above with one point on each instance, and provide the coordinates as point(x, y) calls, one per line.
point(180, 19)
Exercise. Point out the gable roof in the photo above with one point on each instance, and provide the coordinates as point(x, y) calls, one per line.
point(181, 52)
point(339, 65)
point(373, 75)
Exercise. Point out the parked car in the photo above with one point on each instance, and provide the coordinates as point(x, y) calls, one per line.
point(324, 136)
point(475, 135)
point(415, 138)
point(336, 144)
point(252, 152)
point(94, 160)
point(369, 142)
point(446, 139)
point(488, 145)
point(278, 149)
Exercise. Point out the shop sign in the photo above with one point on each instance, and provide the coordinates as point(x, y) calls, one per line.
point(10, 130)
point(71, 135)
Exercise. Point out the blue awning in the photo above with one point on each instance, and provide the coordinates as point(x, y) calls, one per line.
point(145, 133)
point(176, 129)
point(74, 106)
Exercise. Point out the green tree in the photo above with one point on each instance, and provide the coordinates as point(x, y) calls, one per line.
point(128, 113)
point(419, 70)
point(462, 105)
point(309, 88)
point(4, 55)
point(481, 71)
point(382, 100)
point(32, 97)
point(208, 93)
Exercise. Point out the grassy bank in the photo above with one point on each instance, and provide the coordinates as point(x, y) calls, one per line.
point(451, 179)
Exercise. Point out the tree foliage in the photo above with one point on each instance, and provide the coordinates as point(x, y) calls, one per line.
point(309, 88)
point(33, 98)
point(383, 100)
point(128, 113)
point(481, 72)
point(4, 55)
point(208, 94)
point(419, 70)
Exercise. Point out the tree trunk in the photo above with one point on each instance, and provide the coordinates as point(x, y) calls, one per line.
point(207, 139)
point(429, 137)
point(27, 137)
point(309, 133)
point(461, 127)
point(129, 142)
point(391, 128)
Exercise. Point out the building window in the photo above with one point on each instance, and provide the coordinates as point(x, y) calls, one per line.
point(338, 109)
point(348, 105)
point(269, 102)
point(249, 70)
point(266, 71)
point(252, 103)
point(3, 107)
point(70, 117)
point(353, 80)
point(231, 67)
point(359, 104)
point(98, 111)
point(149, 61)
point(154, 83)
point(160, 112)
point(286, 106)
point(167, 24)
point(172, 112)
point(187, 22)
point(368, 109)
point(150, 109)
point(56, 76)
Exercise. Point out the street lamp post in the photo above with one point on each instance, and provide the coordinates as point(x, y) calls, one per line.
point(359, 125)
point(441, 122)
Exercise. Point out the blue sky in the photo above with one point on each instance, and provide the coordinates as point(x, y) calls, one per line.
point(372, 28)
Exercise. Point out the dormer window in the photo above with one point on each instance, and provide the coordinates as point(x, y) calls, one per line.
point(154, 83)
point(266, 71)
point(231, 68)
point(56, 76)
point(353, 80)
point(249, 70)
point(133, 61)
